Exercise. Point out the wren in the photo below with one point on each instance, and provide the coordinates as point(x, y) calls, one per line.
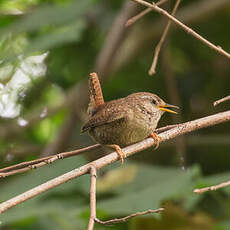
point(125, 121)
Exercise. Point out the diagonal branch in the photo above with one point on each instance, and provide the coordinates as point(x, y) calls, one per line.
point(184, 27)
point(112, 157)
point(158, 47)
point(28, 165)
point(221, 100)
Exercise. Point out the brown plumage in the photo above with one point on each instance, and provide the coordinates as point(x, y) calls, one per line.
point(125, 121)
point(95, 93)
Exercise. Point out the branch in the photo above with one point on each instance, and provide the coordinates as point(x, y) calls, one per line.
point(28, 165)
point(158, 47)
point(93, 180)
point(123, 219)
point(221, 100)
point(184, 27)
point(112, 157)
point(212, 188)
point(143, 13)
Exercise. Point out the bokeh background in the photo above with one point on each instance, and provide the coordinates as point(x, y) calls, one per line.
point(47, 50)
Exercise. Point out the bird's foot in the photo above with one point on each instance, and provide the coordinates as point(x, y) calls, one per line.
point(156, 138)
point(119, 151)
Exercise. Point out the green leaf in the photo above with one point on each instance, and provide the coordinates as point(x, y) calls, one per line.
point(151, 186)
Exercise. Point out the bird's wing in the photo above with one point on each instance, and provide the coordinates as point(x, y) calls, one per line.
point(100, 119)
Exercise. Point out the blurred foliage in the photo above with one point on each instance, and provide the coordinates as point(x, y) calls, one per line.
point(46, 48)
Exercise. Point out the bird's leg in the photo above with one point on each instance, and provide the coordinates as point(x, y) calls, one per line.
point(119, 151)
point(156, 138)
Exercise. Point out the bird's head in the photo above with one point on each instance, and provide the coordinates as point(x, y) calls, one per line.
point(154, 102)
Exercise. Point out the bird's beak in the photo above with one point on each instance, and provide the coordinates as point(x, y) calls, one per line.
point(166, 106)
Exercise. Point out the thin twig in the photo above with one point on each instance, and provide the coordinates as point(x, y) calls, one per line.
point(184, 27)
point(211, 188)
point(112, 157)
point(189, 14)
point(23, 164)
point(93, 181)
point(132, 20)
point(123, 219)
point(158, 47)
point(221, 100)
point(28, 165)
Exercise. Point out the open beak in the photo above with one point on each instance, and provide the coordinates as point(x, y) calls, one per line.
point(166, 106)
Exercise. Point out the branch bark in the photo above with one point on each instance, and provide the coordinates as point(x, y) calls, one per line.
point(211, 188)
point(130, 150)
point(124, 219)
point(221, 100)
point(93, 181)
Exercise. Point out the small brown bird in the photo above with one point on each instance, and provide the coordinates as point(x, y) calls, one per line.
point(125, 121)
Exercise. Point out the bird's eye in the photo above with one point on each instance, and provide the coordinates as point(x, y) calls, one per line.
point(154, 101)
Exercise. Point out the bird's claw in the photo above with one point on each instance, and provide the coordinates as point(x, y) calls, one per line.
point(157, 139)
point(119, 151)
